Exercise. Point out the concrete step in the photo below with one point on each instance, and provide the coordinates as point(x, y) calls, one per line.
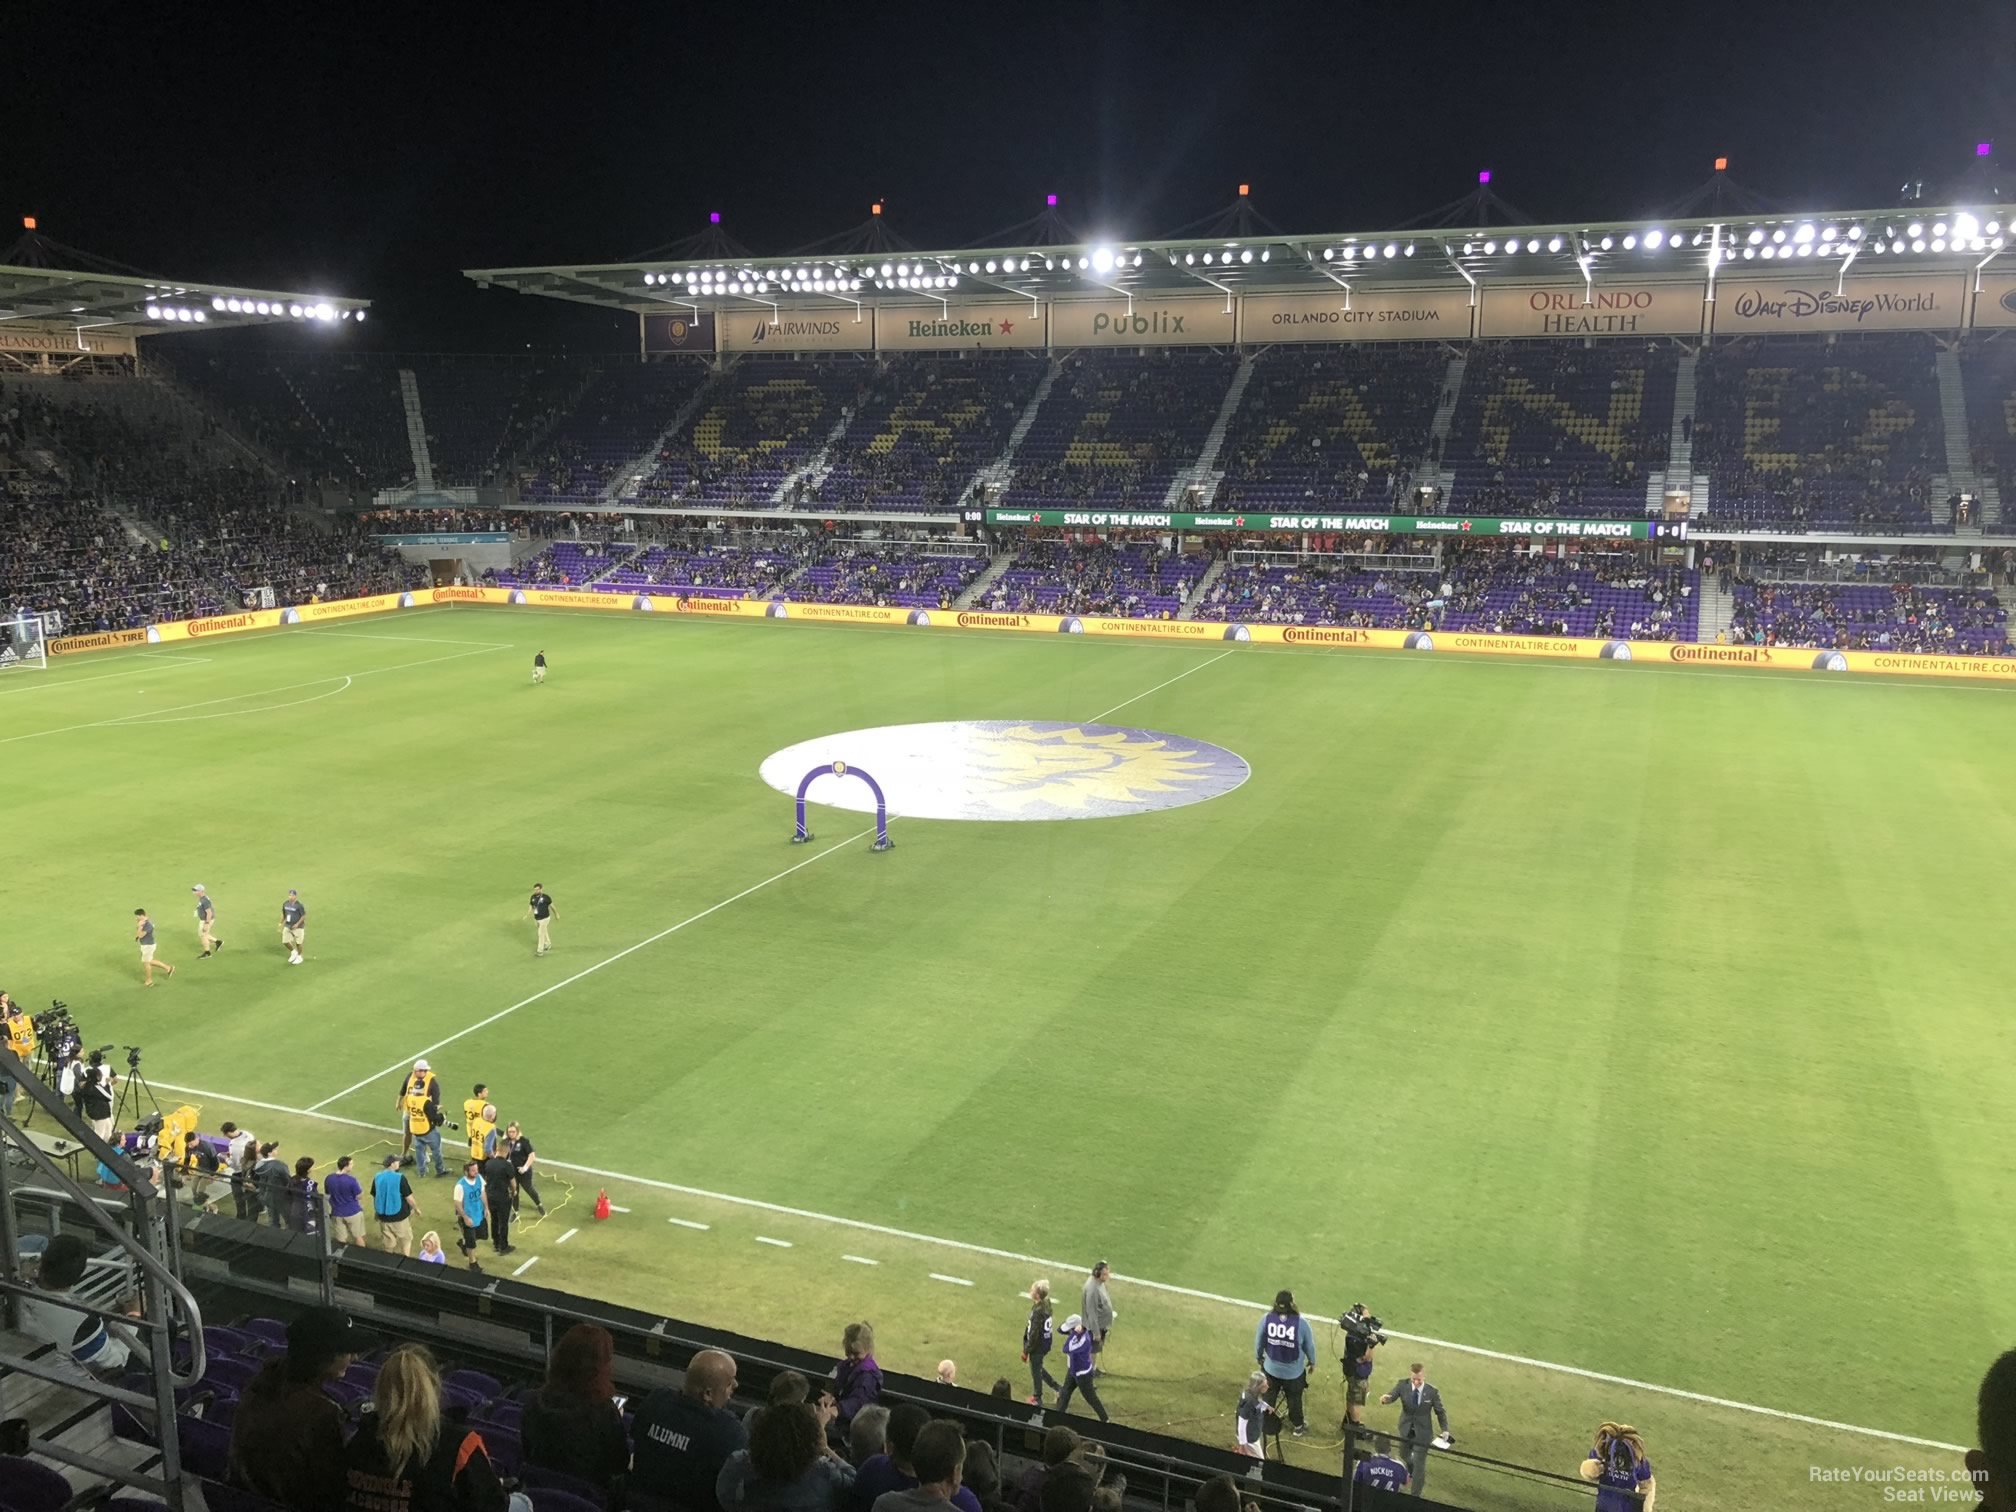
point(978, 588)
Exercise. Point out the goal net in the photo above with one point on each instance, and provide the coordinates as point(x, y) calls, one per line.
point(24, 643)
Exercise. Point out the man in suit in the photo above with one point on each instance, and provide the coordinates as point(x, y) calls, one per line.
point(1419, 1402)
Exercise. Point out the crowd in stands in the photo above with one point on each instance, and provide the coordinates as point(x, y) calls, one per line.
point(906, 577)
point(1126, 579)
point(1117, 428)
point(1801, 436)
point(1988, 373)
point(1871, 617)
point(1320, 427)
point(926, 428)
point(484, 412)
point(1543, 429)
point(610, 425)
point(328, 417)
point(763, 422)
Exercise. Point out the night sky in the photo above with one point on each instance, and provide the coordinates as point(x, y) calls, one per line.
point(375, 152)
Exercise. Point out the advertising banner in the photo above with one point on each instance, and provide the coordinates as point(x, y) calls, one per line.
point(1578, 310)
point(1144, 322)
point(103, 640)
point(448, 538)
point(455, 595)
point(64, 341)
point(1995, 302)
point(959, 327)
point(567, 598)
point(755, 329)
point(1746, 305)
point(340, 608)
point(687, 331)
point(1374, 315)
point(1386, 524)
point(217, 624)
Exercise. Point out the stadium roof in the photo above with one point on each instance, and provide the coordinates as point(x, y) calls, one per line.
point(1919, 239)
point(123, 304)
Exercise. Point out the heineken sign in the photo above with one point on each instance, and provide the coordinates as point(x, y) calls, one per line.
point(1455, 525)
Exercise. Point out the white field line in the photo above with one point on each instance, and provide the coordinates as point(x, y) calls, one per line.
point(526, 1266)
point(688, 1223)
point(950, 1280)
point(1041, 1263)
point(1371, 657)
point(154, 715)
point(859, 1260)
point(588, 971)
point(779, 1243)
point(1199, 667)
point(417, 640)
point(566, 1236)
point(77, 682)
point(127, 720)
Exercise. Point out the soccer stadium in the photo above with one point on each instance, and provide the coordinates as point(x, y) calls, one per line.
point(963, 850)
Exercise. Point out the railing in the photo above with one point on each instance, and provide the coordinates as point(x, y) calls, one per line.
point(148, 1239)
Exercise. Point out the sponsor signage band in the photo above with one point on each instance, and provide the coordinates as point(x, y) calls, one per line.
point(1388, 524)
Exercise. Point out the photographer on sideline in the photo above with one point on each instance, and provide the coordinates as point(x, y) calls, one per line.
point(1621, 1470)
point(1363, 1334)
point(1284, 1347)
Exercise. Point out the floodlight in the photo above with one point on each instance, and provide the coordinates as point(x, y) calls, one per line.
point(1630, 241)
point(153, 312)
point(1468, 249)
point(1408, 250)
point(1938, 244)
point(1992, 227)
point(1748, 253)
point(294, 310)
point(1512, 246)
point(1804, 233)
point(1247, 255)
point(198, 315)
point(1914, 229)
point(854, 284)
point(1533, 245)
point(1697, 238)
point(1653, 239)
point(1756, 235)
point(1207, 259)
point(216, 301)
point(268, 309)
point(1049, 265)
point(1605, 244)
point(1102, 260)
point(886, 270)
point(325, 311)
point(991, 265)
point(1769, 253)
point(1878, 248)
point(1854, 233)
point(1491, 248)
point(951, 283)
point(1995, 243)
point(1918, 245)
point(1778, 235)
point(360, 314)
point(1805, 249)
point(1350, 254)
point(1553, 244)
point(1328, 254)
point(1025, 264)
point(1826, 233)
point(1965, 226)
point(1189, 259)
point(1939, 228)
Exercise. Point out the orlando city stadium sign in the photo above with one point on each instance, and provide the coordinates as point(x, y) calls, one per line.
point(1386, 524)
point(1010, 769)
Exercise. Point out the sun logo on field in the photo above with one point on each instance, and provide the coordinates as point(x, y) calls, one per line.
point(1007, 769)
point(1074, 767)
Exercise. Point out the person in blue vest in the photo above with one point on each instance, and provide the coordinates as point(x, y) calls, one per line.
point(1284, 1346)
point(472, 1212)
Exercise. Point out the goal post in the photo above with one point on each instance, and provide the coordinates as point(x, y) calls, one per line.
point(24, 642)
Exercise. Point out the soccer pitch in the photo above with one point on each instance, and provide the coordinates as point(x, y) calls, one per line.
point(1645, 1021)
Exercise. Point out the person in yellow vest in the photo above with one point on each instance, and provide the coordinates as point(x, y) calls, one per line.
point(472, 1106)
point(483, 1133)
point(419, 1107)
point(20, 1030)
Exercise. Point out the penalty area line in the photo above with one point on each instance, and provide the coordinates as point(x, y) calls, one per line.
point(860, 1225)
point(585, 972)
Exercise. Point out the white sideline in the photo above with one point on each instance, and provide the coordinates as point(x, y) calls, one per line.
point(154, 715)
point(1199, 667)
point(586, 971)
point(863, 1226)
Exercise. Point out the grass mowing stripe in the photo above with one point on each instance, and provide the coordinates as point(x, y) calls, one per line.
point(1196, 1294)
point(588, 971)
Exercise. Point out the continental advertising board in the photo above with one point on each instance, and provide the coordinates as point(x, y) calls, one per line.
point(959, 327)
point(1580, 310)
point(1142, 322)
point(1357, 315)
point(102, 640)
point(1756, 306)
point(1427, 640)
point(844, 328)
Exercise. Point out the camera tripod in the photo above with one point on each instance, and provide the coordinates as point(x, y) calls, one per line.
point(135, 1079)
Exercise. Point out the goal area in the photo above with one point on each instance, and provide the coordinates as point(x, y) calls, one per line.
point(24, 643)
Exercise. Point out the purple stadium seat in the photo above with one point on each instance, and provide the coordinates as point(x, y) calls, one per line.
point(30, 1486)
point(580, 1495)
point(206, 1447)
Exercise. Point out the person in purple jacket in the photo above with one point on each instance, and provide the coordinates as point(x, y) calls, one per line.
point(857, 1379)
point(1079, 1347)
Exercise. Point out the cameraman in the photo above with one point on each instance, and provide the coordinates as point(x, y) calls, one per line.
point(20, 1032)
point(1284, 1347)
point(94, 1095)
point(1363, 1334)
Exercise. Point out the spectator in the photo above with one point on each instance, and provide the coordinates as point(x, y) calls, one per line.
point(245, 1179)
point(430, 1249)
point(937, 1456)
point(857, 1379)
point(787, 1466)
point(1059, 1445)
point(210, 1184)
point(1038, 1334)
point(1620, 1469)
point(1078, 1352)
point(572, 1424)
point(1071, 1488)
point(683, 1438)
point(1096, 1307)
point(1380, 1469)
point(346, 1205)
point(287, 1437)
point(304, 1198)
point(393, 1205)
point(91, 1343)
point(868, 1434)
point(982, 1475)
point(1218, 1494)
point(786, 1387)
point(1993, 1465)
point(896, 1470)
point(948, 1373)
point(1284, 1347)
point(1250, 1418)
point(1003, 1388)
point(270, 1178)
point(407, 1454)
point(1418, 1401)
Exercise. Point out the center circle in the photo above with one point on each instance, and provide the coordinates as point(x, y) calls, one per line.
point(1007, 769)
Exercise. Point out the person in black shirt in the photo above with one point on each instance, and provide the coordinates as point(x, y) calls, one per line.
point(683, 1438)
point(540, 908)
point(572, 1423)
point(538, 669)
point(500, 1184)
point(523, 1158)
point(410, 1456)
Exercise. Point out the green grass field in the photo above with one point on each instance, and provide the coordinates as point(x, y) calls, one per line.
point(1641, 1020)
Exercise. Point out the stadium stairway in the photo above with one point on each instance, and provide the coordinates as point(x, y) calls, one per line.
point(416, 431)
point(1001, 563)
point(1203, 591)
point(1718, 608)
point(1201, 474)
point(996, 474)
point(630, 480)
point(816, 467)
point(1679, 470)
point(1961, 477)
point(221, 423)
point(1432, 474)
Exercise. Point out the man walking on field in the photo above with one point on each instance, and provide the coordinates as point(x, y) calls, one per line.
point(539, 669)
point(206, 921)
point(293, 926)
point(143, 935)
point(540, 908)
